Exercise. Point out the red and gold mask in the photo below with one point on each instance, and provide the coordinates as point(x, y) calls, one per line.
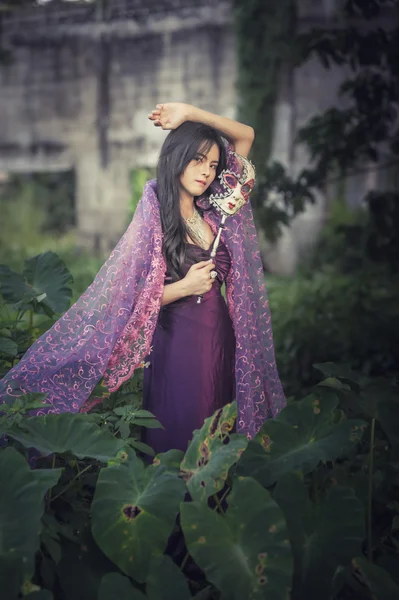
point(238, 188)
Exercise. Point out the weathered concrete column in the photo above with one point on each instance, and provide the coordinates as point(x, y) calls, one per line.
point(102, 200)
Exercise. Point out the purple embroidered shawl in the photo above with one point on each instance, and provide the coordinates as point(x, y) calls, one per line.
point(108, 331)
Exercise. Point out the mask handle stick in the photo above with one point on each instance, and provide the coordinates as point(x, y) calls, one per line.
point(215, 246)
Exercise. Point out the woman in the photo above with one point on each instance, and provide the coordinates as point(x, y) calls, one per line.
point(191, 366)
point(143, 302)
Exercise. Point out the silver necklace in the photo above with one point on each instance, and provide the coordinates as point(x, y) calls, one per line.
point(195, 226)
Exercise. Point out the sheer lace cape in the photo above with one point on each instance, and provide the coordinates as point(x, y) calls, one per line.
point(107, 333)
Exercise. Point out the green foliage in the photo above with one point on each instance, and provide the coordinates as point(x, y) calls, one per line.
point(286, 513)
point(335, 317)
point(368, 125)
point(381, 585)
point(316, 437)
point(21, 509)
point(140, 506)
point(41, 290)
point(363, 135)
point(49, 198)
point(362, 239)
point(320, 538)
point(208, 459)
point(360, 137)
point(165, 580)
point(43, 282)
point(245, 552)
point(114, 586)
point(299, 531)
point(65, 433)
point(265, 35)
point(138, 179)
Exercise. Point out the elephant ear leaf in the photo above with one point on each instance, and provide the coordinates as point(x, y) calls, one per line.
point(245, 553)
point(7, 346)
point(140, 505)
point(165, 580)
point(44, 283)
point(114, 585)
point(66, 432)
point(47, 274)
point(302, 435)
point(21, 511)
point(381, 586)
point(323, 538)
point(211, 453)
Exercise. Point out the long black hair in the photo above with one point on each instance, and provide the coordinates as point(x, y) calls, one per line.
point(179, 148)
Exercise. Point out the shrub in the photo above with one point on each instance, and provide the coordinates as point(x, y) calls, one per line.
point(343, 318)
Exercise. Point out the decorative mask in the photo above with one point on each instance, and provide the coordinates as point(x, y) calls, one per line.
point(237, 188)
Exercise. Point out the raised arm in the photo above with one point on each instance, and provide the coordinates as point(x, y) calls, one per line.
point(172, 114)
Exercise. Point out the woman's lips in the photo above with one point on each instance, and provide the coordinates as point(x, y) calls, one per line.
point(199, 181)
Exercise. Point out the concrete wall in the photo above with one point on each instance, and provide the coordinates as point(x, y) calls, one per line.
point(78, 95)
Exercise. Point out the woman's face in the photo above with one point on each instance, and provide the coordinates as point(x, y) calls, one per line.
point(200, 172)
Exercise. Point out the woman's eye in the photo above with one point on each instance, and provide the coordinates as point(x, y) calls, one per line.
point(246, 188)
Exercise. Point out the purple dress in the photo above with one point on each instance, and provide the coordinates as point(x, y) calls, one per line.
point(191, 371)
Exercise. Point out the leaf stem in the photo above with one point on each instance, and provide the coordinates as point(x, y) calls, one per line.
point(370, 494)
point(71, 482)
point(218, 503)
point(183, 562)
point(49, 492)
point(228, 490)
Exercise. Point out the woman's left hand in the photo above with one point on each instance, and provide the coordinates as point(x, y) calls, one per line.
point(170, 115)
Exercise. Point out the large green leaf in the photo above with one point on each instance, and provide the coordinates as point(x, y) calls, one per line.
point(170, 459)
point(245, 553)
point(21, 507)
point(13, 286)
point(82, 566)
point(330, 369)
point(165, 581)
point(47, 274)
point(11, 576)
point(208, 458)
point(324, 538)
point(8, 346)
point(117, 587)
point(378, 580)
point(133, 512)
point(45, 279)
point(57, 434)
point(301, 436)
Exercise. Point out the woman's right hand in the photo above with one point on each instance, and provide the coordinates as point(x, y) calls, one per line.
point(198, 280)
